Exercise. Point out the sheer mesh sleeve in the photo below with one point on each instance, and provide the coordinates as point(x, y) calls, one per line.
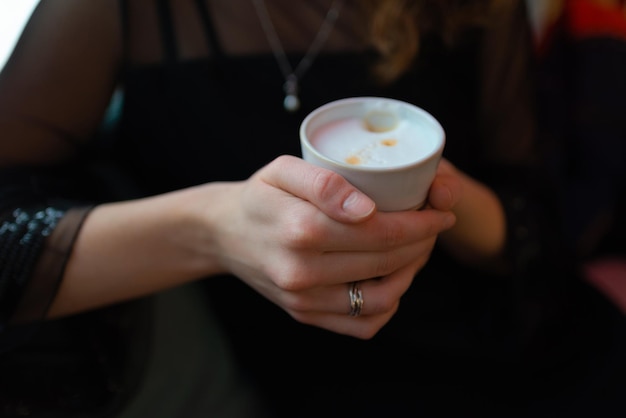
point(22, 235)
point(35, 258)
point(54, 91)
point(36, 236)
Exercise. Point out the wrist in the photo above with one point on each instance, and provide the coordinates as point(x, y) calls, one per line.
point(200, 215)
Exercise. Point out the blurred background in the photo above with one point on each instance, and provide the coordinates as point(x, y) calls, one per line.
point(13, 15)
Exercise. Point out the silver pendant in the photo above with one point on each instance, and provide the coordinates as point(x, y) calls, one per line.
point(291, 103)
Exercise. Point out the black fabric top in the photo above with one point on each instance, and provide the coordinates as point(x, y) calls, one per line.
point(179, 119)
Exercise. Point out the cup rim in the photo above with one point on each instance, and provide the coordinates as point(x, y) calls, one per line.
point(435, 153)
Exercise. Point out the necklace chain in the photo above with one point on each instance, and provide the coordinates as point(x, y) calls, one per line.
point(292, 75)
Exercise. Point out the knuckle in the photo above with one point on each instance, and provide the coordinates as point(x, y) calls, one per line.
point(291, 277)
point(277, 165)
point(368, 333)
point(300, 232)
point(296, 235)
point(302, 317)
point(325, 184)
point(285, 282)
point(387, 304)
point(384, 303)
point(376, 323)
point(394, 236)
point(280, 162)
point(384, 265)
point(297, 304)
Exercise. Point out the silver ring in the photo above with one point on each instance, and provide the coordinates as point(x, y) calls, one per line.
point(356, 299)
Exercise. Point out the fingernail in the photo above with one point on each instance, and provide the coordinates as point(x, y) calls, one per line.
point(357, 205)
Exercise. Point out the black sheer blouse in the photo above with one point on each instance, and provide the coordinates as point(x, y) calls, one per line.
point(185, 122)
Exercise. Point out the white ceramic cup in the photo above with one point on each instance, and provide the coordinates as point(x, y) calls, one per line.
point(388, 149)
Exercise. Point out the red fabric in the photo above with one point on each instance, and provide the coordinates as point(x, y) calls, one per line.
point(587, 18)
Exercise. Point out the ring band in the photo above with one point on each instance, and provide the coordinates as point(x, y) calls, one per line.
point(356, 299)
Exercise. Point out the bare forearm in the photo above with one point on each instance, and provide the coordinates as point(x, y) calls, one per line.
point(131, 249)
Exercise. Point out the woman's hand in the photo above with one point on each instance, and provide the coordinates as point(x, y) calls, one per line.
point(299, 235)
point(478, 237)
point(447, 187)
point(296, 233)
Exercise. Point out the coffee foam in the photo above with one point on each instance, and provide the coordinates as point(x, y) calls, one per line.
point(379, 141)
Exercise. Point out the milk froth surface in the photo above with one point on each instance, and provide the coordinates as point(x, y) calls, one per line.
point(349, 141)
